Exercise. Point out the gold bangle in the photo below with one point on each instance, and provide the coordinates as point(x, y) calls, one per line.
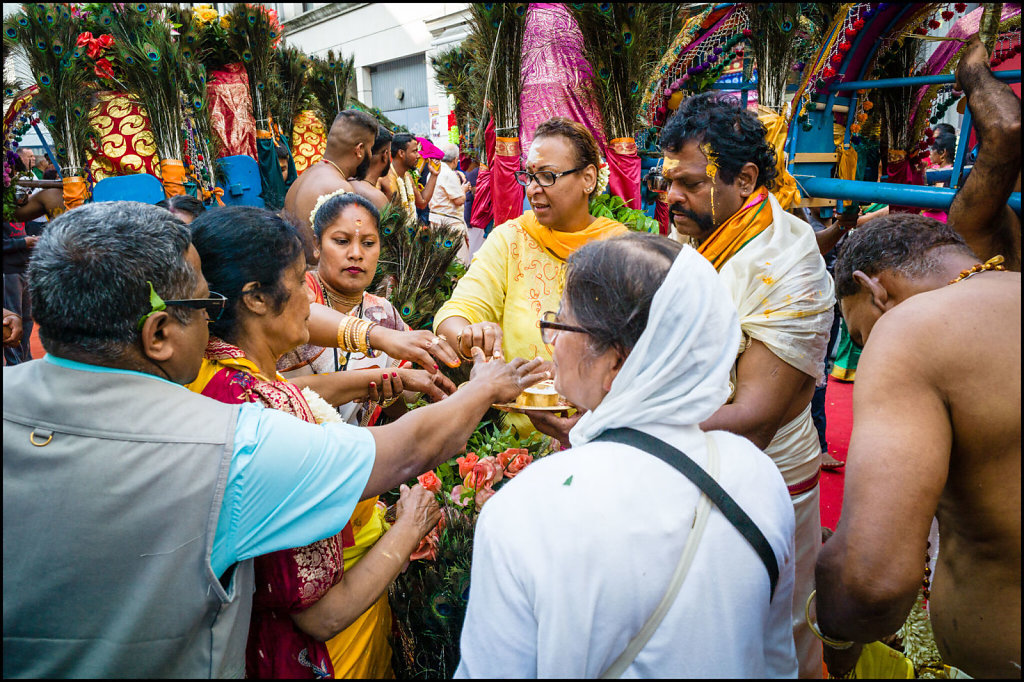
point(361, 336)
point(341, 335)
point(829, 642)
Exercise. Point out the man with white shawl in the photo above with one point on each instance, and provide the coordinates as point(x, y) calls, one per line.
point(573, 557)
point(721, 168)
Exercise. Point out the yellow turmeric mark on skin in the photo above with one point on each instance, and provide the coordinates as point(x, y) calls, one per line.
point(669, 164)
point(711, 170)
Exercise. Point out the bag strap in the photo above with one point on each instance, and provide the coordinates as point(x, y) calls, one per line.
point(700, 522)
point(728, 506)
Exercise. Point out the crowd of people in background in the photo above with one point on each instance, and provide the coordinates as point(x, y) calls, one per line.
point(222, 401)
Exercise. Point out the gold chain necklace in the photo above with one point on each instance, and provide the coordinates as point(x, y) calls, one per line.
point(337, 300)
point(336, 168)
point(993, 263)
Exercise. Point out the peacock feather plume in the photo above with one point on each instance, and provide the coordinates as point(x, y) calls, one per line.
point(453, 71)
point(495, 42)
point(253, 38)
point(44, 32)
point(416, 265)
point(287, 90)
point(623, 42)
point(329, 82)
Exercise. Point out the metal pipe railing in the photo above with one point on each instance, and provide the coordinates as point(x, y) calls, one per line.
point(920, 196)
point(940, 78)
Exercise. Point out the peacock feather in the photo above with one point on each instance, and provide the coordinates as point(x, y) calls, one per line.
point(288, 89)
point(623, 42)
point(44, 33)
point(453, 70)
point(414, 271)
point(250, 39)
point(495, 42)
point(331, 78)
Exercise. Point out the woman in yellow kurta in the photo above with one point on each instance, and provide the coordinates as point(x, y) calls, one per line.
point(519, 272)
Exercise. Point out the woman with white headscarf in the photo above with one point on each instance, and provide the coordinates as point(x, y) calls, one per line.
point(605, 559)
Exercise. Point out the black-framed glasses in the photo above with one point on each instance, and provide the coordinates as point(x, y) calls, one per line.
point(543, 178)
point(549, 329)
point(214, 305)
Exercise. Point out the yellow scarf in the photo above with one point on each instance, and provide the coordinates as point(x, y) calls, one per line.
point(751, 220)
point(785, 190)
point(562, 244)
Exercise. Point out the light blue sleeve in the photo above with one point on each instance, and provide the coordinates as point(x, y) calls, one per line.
point(290, 483)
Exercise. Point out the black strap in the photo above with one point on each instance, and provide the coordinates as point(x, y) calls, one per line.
point(687, 467)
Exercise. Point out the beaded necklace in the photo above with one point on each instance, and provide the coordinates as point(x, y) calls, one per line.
point(993, 263)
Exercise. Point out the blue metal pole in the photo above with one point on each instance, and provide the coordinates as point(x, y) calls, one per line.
point(941, 78)
point(49, 152)
point(961, 147)
point(921, 196)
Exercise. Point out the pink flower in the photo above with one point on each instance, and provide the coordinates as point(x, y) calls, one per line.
point(467, 463)
point(482, 495)
point(460, 496)
point(430, 481)
point(518, 463)
point(428, 544)
point(497, 470)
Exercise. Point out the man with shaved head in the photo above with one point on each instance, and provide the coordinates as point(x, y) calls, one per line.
point(349, 142)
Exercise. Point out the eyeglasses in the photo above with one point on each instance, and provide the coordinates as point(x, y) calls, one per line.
point(214, 305)
point(549, 329)
point(543, 178)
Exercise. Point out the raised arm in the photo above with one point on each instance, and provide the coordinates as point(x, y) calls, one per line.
point(423, 197)
point(869, 572)
point(979, 211)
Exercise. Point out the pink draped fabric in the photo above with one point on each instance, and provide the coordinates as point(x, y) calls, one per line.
point(557, 79)
point(624, 170)
point(483, 207)
point(231, 110)
point(965, 27)
point(902, 172)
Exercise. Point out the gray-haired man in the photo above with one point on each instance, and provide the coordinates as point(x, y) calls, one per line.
point(133, 507)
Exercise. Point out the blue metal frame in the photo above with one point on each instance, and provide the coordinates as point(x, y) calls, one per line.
point(961, 147)
point(49, 152)
point(922, 196)
point(937, 79)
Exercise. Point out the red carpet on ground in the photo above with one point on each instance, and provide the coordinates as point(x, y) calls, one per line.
point(839, 423)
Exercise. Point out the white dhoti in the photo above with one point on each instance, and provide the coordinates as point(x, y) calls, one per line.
point(797, 453)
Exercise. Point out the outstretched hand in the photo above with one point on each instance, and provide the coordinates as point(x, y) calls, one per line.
point(435, 386)
point(507, 380)
point(422, 347)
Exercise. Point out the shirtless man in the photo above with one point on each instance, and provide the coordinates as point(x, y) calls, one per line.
point(979, 211)
point(936, 433)
point(405, 155)
point(348, 143)
point(366, 181)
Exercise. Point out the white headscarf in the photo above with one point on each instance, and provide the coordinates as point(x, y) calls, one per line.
point(678, 371)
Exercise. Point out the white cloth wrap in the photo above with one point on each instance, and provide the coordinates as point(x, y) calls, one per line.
point(782, 291)
point(678, 371)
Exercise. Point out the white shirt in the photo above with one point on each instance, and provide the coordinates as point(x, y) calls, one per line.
point(446, 191)
point(571, 557)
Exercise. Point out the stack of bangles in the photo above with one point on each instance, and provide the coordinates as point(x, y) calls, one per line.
point(832, 643)
point(354, 336)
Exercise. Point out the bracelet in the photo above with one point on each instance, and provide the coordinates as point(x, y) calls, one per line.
point(370, 352)
point(829, 642)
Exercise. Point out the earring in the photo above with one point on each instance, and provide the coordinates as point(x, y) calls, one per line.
point(589, 190)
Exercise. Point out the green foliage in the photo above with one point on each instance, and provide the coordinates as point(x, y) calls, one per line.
point(455, 71)
point(613, 207)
